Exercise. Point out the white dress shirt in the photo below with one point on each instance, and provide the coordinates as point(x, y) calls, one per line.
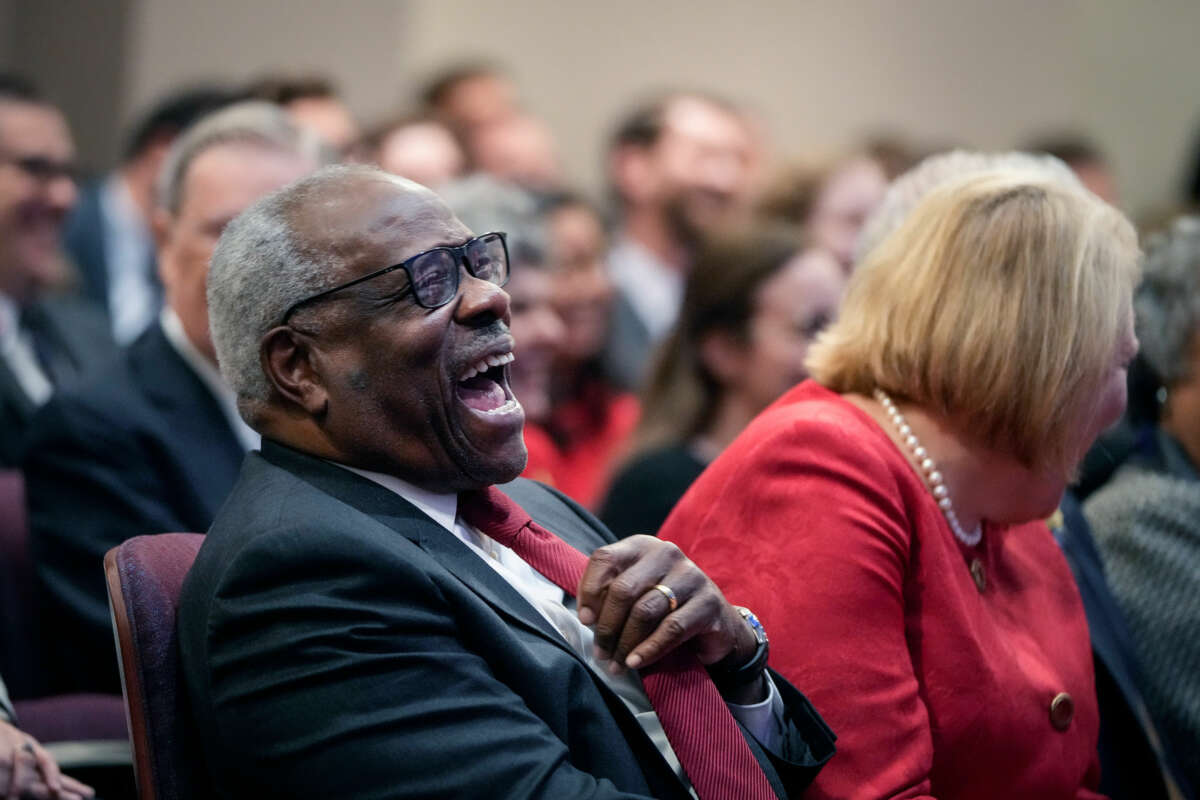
point(210, 376)
point(133, 298)
point(653, 288)
point(764, 720)
point(16, 350)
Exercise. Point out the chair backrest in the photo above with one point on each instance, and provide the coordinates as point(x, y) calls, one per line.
point(17, 643)
point(145, 575)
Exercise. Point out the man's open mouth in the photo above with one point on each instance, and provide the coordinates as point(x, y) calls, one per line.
point(483, 386)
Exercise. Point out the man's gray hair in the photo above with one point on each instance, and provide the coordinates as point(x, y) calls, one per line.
point(251, 122)
point(484, 203)
point(1167, 303)
point(907, 191)
point(260, 268)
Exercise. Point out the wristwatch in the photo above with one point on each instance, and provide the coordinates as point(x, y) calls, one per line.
point(727, 673)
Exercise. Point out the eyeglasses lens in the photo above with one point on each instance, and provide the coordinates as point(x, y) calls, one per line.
point(435, 274)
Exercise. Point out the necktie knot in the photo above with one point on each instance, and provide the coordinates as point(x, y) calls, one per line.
point(490, 511)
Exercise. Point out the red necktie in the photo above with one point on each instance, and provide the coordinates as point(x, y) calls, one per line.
point(701, 730)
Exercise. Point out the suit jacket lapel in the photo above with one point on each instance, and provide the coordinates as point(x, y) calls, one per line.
point(189, 410)
point(392, 510)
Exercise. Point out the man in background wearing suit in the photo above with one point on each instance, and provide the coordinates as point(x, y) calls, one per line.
point(679, 167)
point(153, 442)
point(46, 341)
point(108, 235)
point(354, 625)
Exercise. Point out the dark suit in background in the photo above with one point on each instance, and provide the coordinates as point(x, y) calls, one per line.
point(86, 239)
point(141, 448)
point(69, 337)
point(357, 649)
point(629, 346)
point(1133, 758)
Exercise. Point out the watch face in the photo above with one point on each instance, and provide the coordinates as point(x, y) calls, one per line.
point(760, 633)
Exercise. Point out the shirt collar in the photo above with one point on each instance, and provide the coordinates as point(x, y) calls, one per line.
point(209, 375)
point(442, 508)
point(119, 207)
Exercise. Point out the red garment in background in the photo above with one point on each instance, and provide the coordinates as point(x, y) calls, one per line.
point(544, 462)
point(815, 520)
point(582, 443)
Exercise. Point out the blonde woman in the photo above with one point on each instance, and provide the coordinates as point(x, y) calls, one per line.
point(884, 519)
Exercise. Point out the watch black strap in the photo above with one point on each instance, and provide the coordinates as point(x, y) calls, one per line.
point(728, 673)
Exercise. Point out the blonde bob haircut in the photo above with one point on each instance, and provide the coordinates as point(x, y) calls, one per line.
point(998, 305)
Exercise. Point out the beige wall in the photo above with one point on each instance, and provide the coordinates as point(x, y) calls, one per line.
point(355, 42)
point(820, 72)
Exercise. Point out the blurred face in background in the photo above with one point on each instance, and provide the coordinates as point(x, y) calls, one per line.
point(478, 100)
point(537, 330)
point(424, 152)
point(36, 193)
point(843, 203)
point(791, 308)
point(219, 184)
point(583, 291)
point(518, 148)
point(329, 118)
point(699, 173)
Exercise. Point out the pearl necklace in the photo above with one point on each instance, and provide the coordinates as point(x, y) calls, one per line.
point(933, 478)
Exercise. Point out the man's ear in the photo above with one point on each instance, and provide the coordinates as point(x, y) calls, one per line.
point(287, 362)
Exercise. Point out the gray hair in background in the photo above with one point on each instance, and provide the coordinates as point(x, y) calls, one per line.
point(485, 204)
point(252, 122)
point(260, 268)
point(1167, 303)
point(907, 191)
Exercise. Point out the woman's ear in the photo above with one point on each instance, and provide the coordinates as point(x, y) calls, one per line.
point(287, 362)
point(723, 355)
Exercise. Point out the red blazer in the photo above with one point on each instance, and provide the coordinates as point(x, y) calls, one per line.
point(814, 519)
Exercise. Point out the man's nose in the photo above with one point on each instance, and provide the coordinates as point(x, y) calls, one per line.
point(61, 192)
point(481, 299)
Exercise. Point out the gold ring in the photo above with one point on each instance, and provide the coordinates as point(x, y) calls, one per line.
point(667, 593)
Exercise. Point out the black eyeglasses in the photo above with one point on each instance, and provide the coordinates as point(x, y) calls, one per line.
point(434, 274)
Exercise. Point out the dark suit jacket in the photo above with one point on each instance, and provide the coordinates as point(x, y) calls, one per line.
point(140, 448)
point(1131, 764)
point(628, 348)
point(336, 642)
point(72, 337)
point(84, 239)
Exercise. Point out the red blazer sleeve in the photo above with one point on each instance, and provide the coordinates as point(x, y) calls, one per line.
point(827, 575)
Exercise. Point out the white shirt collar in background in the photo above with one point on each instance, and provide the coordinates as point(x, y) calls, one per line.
point(210, 376)
point(132, 295)
point(654, 289)
point(16, 350)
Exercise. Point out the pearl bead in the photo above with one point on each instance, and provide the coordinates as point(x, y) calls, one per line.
point(933, 478)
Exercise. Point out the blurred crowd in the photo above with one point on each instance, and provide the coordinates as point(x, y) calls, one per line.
point(652, 325)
